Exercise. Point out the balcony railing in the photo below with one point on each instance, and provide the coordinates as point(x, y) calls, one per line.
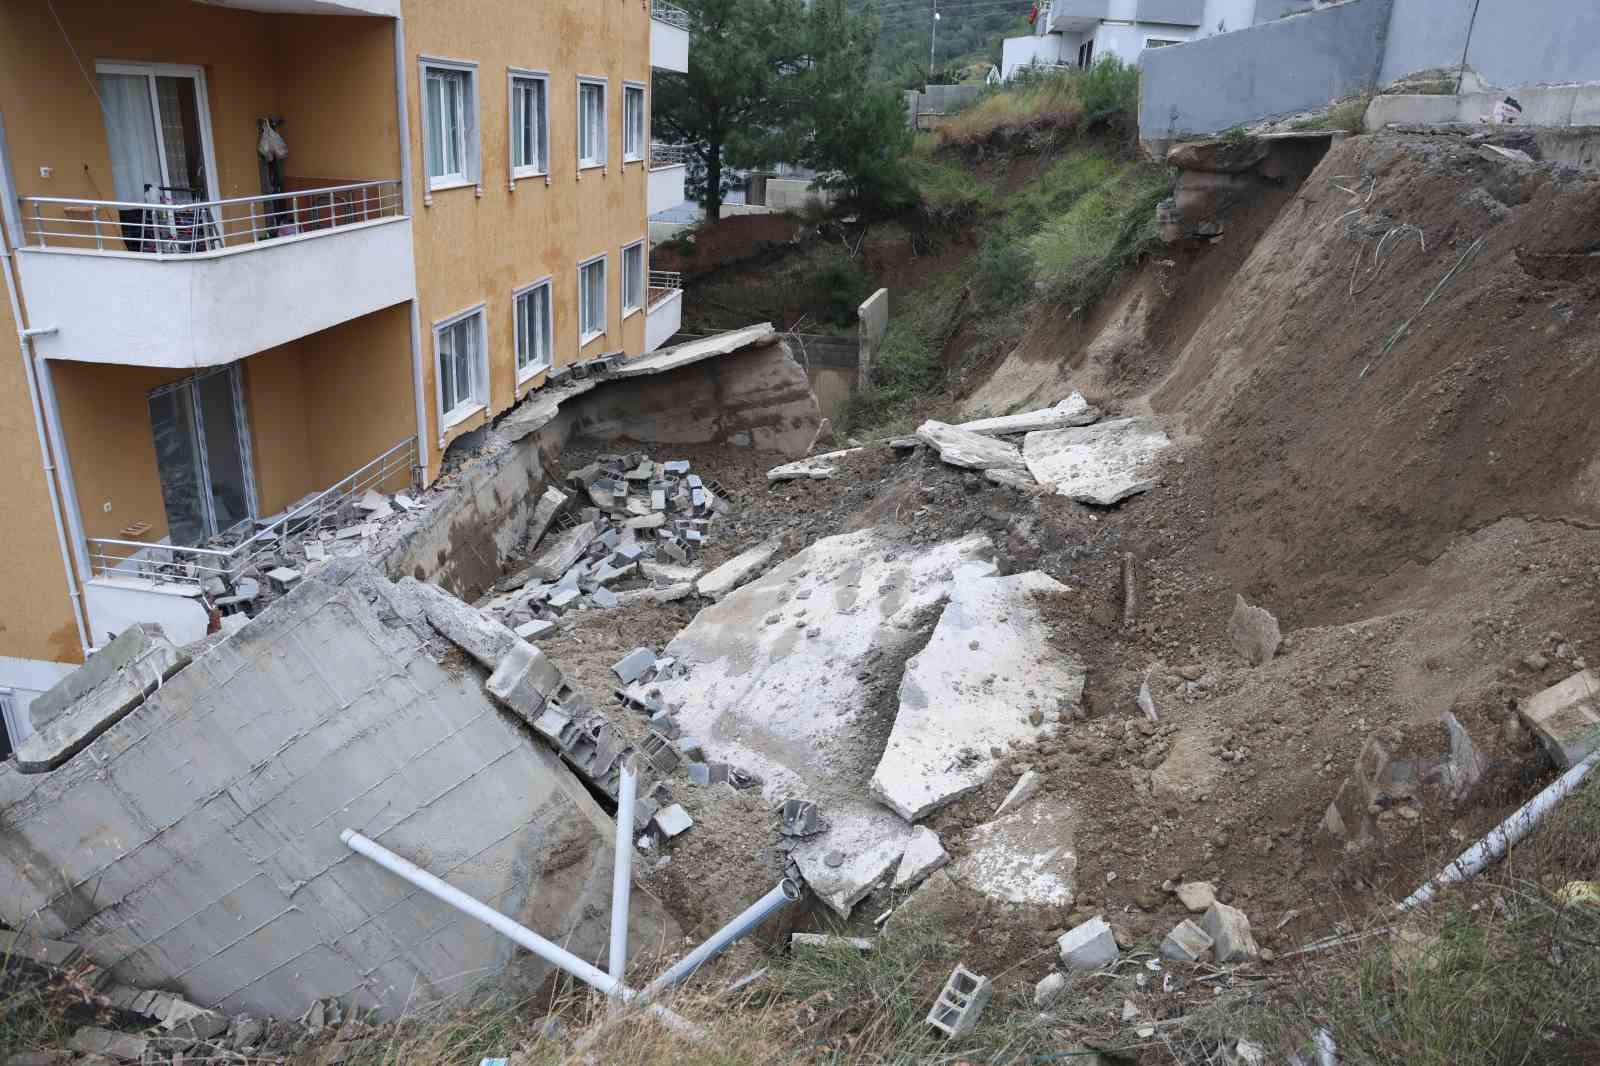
point(663, 283)
point(189, 567)
point(670, 13)
point(179, 229)
point(668, 155)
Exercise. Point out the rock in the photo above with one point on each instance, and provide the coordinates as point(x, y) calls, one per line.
point(1219, 155)
point(1088, 946)
point(1230, 930)
point(1566, 718)
point(815, 467)
point(247, 1032)
point(1100, 464)
point(828, 942)
point(1129, 1011)
point(1254, 632)
point(1073, 411)
point(1186, 943)
point(736, 571)
point(1020, 793)
point(1026, 856)
point(1197, 896)
point(1048, 989)
point(974, 451)
point(923, 855)
point(1464, 767)
point(1535, 662)
point(124, 1047)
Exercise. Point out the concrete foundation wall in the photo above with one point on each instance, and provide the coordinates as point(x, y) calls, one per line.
point(194, 846)
point(1275, 68)
point(1532, 42)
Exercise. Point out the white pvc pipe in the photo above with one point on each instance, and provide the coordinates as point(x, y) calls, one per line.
point(622, 872)
point(1499, 839)
point(554, 954)
point(785, 893)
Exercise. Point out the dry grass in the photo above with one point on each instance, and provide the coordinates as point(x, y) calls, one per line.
point(1106, 94)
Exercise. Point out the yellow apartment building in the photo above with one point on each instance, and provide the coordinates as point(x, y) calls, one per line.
point(257, 250)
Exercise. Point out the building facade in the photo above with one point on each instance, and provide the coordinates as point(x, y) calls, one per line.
point(260, 249)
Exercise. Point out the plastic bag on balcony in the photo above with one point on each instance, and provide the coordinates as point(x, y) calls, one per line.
point(271, 145)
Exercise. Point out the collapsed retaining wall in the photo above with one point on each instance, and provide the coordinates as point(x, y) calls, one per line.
point(194, 846)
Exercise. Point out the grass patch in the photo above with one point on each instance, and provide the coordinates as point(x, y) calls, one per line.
point(948, 192)
point(1080, 252)
point(1348, 115)
point(1106, 93)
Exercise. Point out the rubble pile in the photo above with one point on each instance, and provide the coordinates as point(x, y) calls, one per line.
point(635, 541)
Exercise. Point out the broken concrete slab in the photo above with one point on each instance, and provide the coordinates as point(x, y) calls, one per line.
point(974, 451)
point(1566, 718)
point(474, 632)
point(1020, 793)
point(987, 678)
point(1253, 632)
point(523, 680)
point(544, 512)
point(670, 594)
point(1020, 480)
point(565, 550)
point(1027, 856)
point(129, 646)
point(1072, 411)
point(1230, 930)
point(1101, 464)
point(736, 571)
point(98, 709)
point(633, 665)
point(1186, 943)
point(815, 468)
point(790, 709)
point(535, 629)
point(1088, 945)
point(923, 855)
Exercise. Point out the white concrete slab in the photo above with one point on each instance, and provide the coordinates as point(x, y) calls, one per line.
point(1099, 464)
point(988, 678)
point(1564, 717)
point(769, 685)
point(1027, 856)
point(974, 451)
point(923, 855)
point(816, 467)
point(1073, 411)
point(736, 571)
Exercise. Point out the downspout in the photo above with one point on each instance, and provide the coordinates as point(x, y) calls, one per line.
point(407, 197)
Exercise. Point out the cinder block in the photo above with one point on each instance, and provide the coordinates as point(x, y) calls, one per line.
point(1088, 946)
point(960, 1002)
point(1186, 943)
point(1230, 930)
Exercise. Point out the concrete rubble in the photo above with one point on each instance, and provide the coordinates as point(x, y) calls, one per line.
point(815, 468)
point(988, 678)
point(1072, 411)
point(1253, 632)
point(1021, 792)
point(924, 854)
point(964, 448)
point(736, 571)
point(1100, 464)
point(1566, 718)
point(961, 1001)
point(1229, 929)
point(829, 942)
point(1027, 856)
point(1089, 945)
point(1186, 943)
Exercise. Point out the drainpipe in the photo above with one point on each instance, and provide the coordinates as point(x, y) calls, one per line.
point(403, 118)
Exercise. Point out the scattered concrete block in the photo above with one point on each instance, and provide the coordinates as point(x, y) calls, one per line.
point(604, 598)
point(672, 821)
point(816, 467)
point(567, 548)
point(1186, 943)
point(1073, 411)
point(1026, 856)
point(941, 745)
point(1020, 480)
point(404, 502)
point(657, 750)
point(535, 629)
point(827, 942)
point(955, 1013)
point(1566, 718)
point(99, 708)
point(1020, 793)
point(283, 578)
point(1253, 632)
point(1197, 896)
point(315, 551)
point(562, 598)
point(670, 594)
point(923, 855)
point(1088, 946)
point(523, 680)
point(736, 571)
point(474, 632)
point(699, 773)
point(974, 451)
point(373, 501)
point(1049, 989)
point(1101, 464)
point(1230, 929)
point(1465, 766)
point(124, 1047)
point(633, 665)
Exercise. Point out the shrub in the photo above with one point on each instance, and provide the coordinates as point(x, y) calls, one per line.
point(1109, 93)
point(840, 287)
point(1005, 271)
point(1079, 253)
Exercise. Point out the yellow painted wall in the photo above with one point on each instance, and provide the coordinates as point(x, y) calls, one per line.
point(471, 249)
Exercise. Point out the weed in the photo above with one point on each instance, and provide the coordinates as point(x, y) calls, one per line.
point(1235, 134)
point(1109, 92)
point(949, 193)
point(1005, 271)
point(840, 288)
point(1080, 252)
point(1035, 96)
point(1348, 115)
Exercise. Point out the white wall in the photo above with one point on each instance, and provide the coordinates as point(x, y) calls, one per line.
point(217, 307)
point(115, 603)
point(27, 678)
point(669, 47)
point(1225, 16)
point(1018, 52)
point(662, 321)
point(666, 187)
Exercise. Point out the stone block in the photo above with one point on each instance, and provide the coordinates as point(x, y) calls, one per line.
point(535, 629)
point(1566, 718)
point(1088, 946)
point(523, 680)
point(1253, 632)
point(1049, 989)
point(974, 451)
point(1186, 943)
point(1230, 930)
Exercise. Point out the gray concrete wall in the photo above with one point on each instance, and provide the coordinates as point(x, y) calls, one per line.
point(938, 100)
point(1530, 42)
point(194, 846)
point(872, 322)
point(1275, 68)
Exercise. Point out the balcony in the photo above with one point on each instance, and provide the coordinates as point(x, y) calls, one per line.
point(665, 315)
point(668, 168)
point(1076, 16)
point(1172, 12)
point(669, 37)
point(189, 285)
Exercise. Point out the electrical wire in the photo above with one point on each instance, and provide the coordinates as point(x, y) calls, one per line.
point(93, 88)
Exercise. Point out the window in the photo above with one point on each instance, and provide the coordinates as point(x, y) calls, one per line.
point(463, 364)
point(449, 123)
point(1160, 42)
point(632, 122)
point(632, 277)
point(1086, 53)
point(530, 125)
point(591, 299)
point(535, 338)
point(591, 123)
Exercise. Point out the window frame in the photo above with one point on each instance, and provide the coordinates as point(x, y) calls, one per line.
point(603, 261)
point(479, 399)
point(471, 115)
point(622, 277)
point(542, 168)
point(547, 283)
point(628, 88)
point(1162, 42)
point(605, 122)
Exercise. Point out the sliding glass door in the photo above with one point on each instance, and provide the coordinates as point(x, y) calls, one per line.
point(202, 444)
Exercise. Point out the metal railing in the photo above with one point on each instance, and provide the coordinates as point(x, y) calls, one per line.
point(663, 283)
point(670, 13)
point(190, 567)
point(668, 155)
point(163, 229)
